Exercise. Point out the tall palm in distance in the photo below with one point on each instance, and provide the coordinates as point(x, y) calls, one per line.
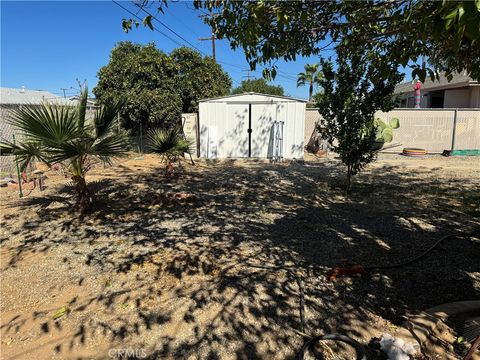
point(61, 134)
point(310, 77)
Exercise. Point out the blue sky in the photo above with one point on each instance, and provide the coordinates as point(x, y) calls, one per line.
point(48, 45)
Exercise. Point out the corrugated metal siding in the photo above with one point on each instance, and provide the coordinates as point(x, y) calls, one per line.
point(230, 119)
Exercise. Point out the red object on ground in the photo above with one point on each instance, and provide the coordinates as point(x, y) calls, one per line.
point(414, 152)
point(339, 272)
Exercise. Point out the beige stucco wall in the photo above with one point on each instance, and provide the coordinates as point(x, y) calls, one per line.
point(475, 97)
point(190, 129)
point(467, 130)
point(428, 129)
point(457, 98)
point(431, 129)
point(312, 117)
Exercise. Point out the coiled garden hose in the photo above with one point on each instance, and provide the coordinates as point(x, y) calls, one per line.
point(426, 252)
point(359, 348)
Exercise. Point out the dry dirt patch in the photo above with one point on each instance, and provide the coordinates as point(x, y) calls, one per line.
point(167, 278)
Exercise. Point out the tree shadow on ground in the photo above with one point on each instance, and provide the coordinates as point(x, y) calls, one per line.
point(174, 278)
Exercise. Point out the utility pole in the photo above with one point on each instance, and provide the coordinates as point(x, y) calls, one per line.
point(63, 89)
point(248, 74)
point(212, 38)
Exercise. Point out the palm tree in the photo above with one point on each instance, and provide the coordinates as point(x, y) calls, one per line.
point(171, 144)
point(61, 134)
point(310, 77)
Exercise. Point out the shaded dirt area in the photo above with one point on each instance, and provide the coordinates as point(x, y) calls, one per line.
point(165, 279)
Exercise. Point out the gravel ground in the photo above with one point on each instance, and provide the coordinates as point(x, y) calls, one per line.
point(168, 279)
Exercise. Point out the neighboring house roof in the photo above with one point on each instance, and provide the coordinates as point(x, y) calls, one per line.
point(11, 96)
point(90, 101)
point(255, 94)
point(459, 80)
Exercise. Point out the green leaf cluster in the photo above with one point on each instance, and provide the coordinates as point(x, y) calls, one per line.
point(62, 134)
point(259, 86)
point(170, 143)
point(384, 131)
point(352, 93)
point(310, 77)
point(394, 33)
point(158, 87)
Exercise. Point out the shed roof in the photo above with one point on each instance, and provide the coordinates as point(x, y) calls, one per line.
point(11, 96)
point(258, 96)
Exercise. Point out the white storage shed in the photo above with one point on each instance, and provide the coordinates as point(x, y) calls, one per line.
point(252, 125)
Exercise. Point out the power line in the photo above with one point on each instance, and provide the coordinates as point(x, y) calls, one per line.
point(186, 41)
point(248, 74)
point(172, 14)
point(161, 32)
point(168, 28)
point(212, 38)
point(139, 18)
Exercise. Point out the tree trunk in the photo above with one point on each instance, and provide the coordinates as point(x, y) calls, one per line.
point(310, 92)
point(349, 179)
point(169, 169)
point(84, 199)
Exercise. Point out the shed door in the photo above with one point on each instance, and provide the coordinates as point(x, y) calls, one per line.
point(235, 141)
point(263, 117)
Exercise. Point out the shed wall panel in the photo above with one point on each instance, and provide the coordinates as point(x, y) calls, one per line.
point(229, 117)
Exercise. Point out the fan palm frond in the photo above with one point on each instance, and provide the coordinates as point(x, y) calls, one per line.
point(67, 150)
point(113, 145)
point(45, 122)
point(82, 108)
point(169, 143)
point(105, 117)
point(54, 134)
point(25, 152)
point(302, 79)
point(6, 149)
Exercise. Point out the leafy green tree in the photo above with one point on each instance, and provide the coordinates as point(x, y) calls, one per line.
point(310, 77)
point(259, 86)
point(61, 134)
point(352, 94)
point(158, 87)
point(316, 98)
point(396, 33)
point(145, 77)
point(198, 78)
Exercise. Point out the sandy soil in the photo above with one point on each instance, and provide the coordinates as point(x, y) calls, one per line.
point(167, 279)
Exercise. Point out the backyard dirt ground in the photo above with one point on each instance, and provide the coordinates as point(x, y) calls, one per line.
point(159, 278)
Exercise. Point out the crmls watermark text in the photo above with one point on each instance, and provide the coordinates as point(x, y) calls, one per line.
point(127, 353)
